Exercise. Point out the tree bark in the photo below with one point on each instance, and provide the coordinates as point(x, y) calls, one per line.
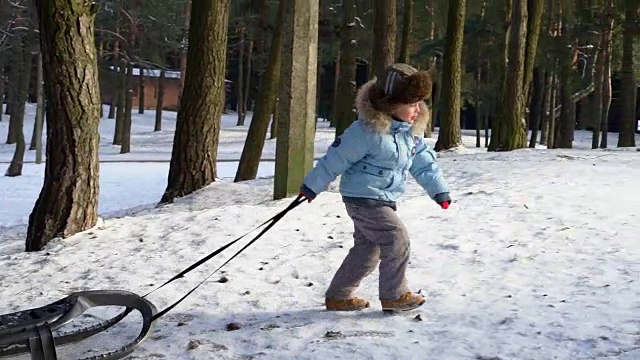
point(627, 135)
point(346, 92)
point(247, 79)
point(449, 134)
point(551, 134)
point(16, 67)
point(565, 127)
point(183, 54)
point(2, 88)
point(159, 102)
point(39, 121)
point(537, 105)
point(599, 76)
point(407, 30)
point(37, 127)
point(240, 109)
point(606, 96)
point(18, 112)
point(125, 147)
point(479, 106)
point(141, 94)
point(509, 130)
point(195, 145)
point(120, 101)
point(273, 129)
point(68, 202)
point(546, 110)
point(332, 108)
point(384, 35)
point(265, 107)
point(297, 110)
point(535, 10)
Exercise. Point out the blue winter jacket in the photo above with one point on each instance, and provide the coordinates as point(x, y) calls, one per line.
point(375, 155)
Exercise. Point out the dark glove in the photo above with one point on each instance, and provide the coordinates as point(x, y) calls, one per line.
point(307, 193)
point(443, 199)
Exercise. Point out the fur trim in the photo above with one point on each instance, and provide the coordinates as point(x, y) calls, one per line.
point(401, 84)
point(380, 122)
point(417, 87)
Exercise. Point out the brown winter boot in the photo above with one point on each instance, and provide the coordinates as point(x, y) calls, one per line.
point(353, 304)
point(408, 301)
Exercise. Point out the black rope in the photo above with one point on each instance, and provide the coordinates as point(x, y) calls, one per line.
point(271, 222)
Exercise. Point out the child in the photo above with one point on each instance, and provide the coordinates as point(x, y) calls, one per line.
point(374, 156)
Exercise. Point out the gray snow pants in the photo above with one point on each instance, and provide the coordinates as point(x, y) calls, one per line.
point(379, 237)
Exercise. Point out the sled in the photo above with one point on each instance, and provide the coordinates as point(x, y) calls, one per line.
point(37, 331)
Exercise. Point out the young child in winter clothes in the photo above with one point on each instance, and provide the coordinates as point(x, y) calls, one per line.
point(374, 156)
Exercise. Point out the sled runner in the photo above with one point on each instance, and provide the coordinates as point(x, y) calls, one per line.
point(35, 331)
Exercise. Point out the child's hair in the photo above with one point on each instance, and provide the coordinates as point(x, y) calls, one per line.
point(401, 84)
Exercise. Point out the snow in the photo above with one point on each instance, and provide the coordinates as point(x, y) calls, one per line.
point(538, 257)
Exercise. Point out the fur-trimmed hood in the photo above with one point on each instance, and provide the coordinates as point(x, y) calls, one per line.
point(380, 122)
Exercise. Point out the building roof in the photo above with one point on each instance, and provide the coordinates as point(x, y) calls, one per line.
point(170, 74)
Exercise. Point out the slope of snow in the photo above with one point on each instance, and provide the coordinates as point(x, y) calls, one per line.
point(538, 258)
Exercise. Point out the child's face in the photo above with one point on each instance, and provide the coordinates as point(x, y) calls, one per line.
point(407, 112)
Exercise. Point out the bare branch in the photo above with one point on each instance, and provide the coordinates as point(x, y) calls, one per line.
point(17, 5)
point(114, 34)
point(131, 20)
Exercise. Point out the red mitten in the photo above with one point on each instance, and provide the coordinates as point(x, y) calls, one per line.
point(444, 205)
point(305, 197)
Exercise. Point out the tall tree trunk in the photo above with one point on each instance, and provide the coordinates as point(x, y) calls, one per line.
point(449, 134)
point(39, 121)
point(10, 90)
point(407, 30)
point(121, 99)
point(113, 95)
point(627, 135)
point(240, 81)
point(247, 79)
point(116, 66)
point(68, 202)
point(384, 35)
point(160, 101)
point(565, 127)
point(509, 130)
point(606, 96)
point(345, 95)
point(141, 85)
point(125, 147)
point(535, 9)
point(604, 43)
point(2, 80)
point(18, 112)
point(37, 128)
point(479, 106)
point(16, 69)
point(333, 109)
point(551, 135)
point(254, 143)
point(195, 145)
point(112, 106)
point(537, 105)
point(183, 54)
point(10, 93)
point(297, 118)
point(545, 116)
point(273, 130)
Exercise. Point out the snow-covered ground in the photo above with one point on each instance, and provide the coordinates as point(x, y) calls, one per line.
point(538, 258)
